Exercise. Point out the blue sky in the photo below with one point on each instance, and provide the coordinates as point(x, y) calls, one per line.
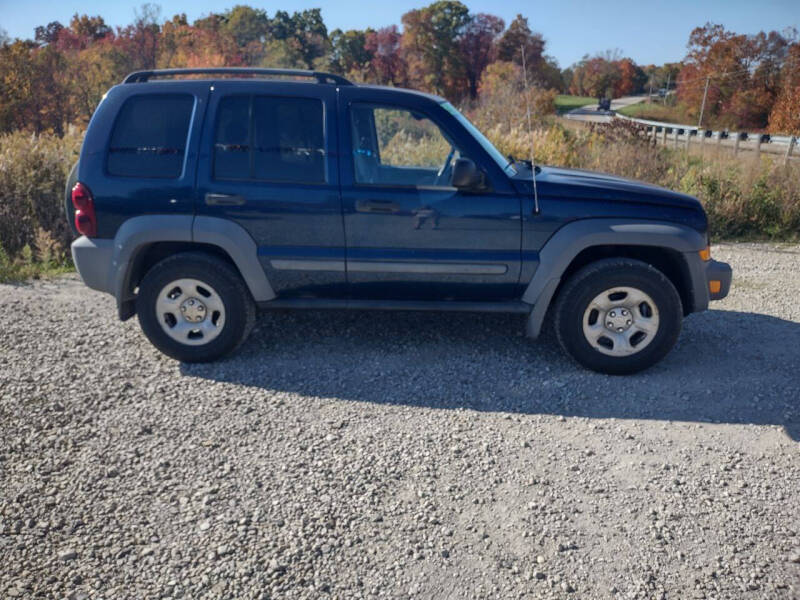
point(649, 31)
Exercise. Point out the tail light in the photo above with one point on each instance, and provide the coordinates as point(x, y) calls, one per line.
point(85, 219)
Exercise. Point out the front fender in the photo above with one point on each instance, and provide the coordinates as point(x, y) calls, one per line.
point(569, 241)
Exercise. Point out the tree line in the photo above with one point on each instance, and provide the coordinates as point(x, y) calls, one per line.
point(58, 77)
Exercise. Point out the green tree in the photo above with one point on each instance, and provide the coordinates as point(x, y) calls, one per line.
point(349, 50)
point(519, 38)
point(304, 33)
point(246, 24)
point(431, 46)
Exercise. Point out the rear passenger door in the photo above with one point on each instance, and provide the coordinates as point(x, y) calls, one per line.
point(267, 164)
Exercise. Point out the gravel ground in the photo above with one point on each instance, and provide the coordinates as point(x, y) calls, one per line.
point(351, 455)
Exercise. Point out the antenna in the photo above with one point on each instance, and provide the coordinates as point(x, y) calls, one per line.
point(530, 131)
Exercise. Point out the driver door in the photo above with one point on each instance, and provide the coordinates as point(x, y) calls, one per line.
point(409, 234)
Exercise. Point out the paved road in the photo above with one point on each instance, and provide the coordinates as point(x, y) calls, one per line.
point(589, 114)
point(400, 455)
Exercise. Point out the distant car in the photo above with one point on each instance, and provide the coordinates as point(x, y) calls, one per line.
point(199, 200)
point(604, 104)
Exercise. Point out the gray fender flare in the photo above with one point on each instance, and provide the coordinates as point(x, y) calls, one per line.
point(133, 235)
point(138, 232)
point(239, 245)
point(569, 241)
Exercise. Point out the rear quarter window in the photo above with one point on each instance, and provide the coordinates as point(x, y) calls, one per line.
point(149, 136)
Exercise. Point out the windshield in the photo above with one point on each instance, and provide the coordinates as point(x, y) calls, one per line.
point(501, 160)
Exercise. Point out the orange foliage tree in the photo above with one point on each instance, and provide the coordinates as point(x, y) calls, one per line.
point(745, 75)
point(785, 115)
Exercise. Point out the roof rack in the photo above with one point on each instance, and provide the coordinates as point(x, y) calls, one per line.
point(321, 77)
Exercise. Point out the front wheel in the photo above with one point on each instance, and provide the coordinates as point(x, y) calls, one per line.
point(618, 316)
point(194, 307)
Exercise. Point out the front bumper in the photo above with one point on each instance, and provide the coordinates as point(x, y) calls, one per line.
point(718, 278)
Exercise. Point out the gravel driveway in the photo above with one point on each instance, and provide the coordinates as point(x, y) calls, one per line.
point(351, 455)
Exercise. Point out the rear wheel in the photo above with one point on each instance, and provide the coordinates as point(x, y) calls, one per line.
point(618, 316)
point(194, 307)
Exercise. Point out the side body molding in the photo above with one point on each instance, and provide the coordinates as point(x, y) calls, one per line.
point(569, 241)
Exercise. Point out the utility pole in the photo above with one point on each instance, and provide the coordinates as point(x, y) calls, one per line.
point(666, 89)
point(650, 93)
point(703, 105)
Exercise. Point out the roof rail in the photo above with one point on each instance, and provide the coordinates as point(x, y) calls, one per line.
point(143, 76)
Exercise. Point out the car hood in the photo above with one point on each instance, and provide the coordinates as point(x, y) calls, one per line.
point(580, 184)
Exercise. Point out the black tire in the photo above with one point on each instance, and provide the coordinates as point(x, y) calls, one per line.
point(592, 280)
point(240, 310)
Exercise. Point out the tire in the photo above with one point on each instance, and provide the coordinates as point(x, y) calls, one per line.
point(194, 307)
point(618, 316)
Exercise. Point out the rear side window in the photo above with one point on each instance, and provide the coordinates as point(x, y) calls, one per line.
point(270, 138)
point(149, 137)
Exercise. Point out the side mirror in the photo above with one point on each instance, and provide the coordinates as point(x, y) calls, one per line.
point(466, 175)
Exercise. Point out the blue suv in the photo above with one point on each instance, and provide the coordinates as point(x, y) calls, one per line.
point(203, 194)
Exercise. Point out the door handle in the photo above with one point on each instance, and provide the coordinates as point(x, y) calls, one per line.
point(377, 206)
point(224, 200)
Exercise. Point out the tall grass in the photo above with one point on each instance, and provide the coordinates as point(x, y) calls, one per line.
point(34, 234)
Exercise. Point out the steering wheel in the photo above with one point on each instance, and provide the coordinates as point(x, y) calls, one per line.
point(443, 174)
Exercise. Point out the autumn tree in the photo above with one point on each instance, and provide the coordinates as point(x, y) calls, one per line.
point(785, 114)
point(48, 34)
point(504, 101)
point(33, 84)
point(431, 46)
point(140, 40)
point(60, 77)
point(744, 74)
point(477, 45)
point(16, 81)
point(598, 76)
point(212, 45)
point(349, 52)
point(631, 78)
point(519, 38)
point(89, 29)
point(387, 65)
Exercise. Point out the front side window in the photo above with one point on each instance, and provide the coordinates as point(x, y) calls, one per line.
point(496, 155)
point(149, 137)
point(270, 138)
point(397, 146)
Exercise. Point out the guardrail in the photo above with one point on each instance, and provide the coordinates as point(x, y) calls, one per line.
point(777, 144)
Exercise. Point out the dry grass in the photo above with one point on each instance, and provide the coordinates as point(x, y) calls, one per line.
point(34, 234)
